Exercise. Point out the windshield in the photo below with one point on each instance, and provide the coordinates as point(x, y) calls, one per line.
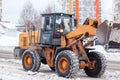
point(67, 23)
point(64, 22)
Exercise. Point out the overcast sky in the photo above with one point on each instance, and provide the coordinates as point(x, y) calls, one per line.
point(107, 10)
point(13, 8)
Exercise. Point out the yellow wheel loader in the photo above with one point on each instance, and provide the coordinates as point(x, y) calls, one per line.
point(59, 44)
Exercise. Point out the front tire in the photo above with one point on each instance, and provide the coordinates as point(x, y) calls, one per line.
point(66, 64)
point(99, 64)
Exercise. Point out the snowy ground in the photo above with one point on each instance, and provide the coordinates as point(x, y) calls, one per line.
point(11, 69)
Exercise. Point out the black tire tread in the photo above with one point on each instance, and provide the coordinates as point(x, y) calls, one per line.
point(102, 65)
point(36, 60)
point(74, 67)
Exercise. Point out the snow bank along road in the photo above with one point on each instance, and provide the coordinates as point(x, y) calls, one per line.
point(11, 69)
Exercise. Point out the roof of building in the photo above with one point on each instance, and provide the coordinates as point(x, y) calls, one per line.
point(56, 14)
point(7, 25)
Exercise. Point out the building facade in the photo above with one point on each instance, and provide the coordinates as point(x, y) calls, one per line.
point(87, 8)
point(116, 10)
point(0, 10)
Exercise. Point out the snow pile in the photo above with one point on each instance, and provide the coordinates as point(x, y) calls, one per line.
point(6, 49)
point(9, 36)
point(8, 41)
point(111, 75)
point(110, 56)
point(16, 61)
point(8, 25)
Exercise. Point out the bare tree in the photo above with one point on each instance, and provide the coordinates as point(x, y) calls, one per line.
point(37, 21)
point(28, 15)
point(38, 18)
point(49, 9)
point(117, 10)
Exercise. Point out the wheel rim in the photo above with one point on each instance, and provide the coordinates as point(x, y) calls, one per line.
point(28, 60)
point(63, 64)
point(93, 63)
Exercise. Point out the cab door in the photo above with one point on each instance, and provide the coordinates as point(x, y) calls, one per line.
point(47, 30)
point(57, 35)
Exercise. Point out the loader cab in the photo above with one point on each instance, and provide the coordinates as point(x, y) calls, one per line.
point(54, 25)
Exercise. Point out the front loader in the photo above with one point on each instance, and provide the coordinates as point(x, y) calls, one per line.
point(59, 44)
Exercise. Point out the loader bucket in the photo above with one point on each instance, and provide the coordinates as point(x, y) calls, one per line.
point(109, 35)
point(103, 33)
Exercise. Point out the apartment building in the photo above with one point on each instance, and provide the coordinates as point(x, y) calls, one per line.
point(87, 8)
point(116, 10)
point(0, 10)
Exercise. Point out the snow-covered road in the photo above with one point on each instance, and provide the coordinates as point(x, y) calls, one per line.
point(11, 69)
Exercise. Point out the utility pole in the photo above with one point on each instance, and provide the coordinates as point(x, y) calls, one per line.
point(70, 6)
point(77, 12)
point(97, 3)
point(77, 9)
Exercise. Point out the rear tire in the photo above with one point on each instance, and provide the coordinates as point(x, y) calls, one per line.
point(100, 64)
point(38, 60)
point(31, 60)
point(66, 64)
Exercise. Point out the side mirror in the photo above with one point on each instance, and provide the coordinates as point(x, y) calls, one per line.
point(75, 22)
